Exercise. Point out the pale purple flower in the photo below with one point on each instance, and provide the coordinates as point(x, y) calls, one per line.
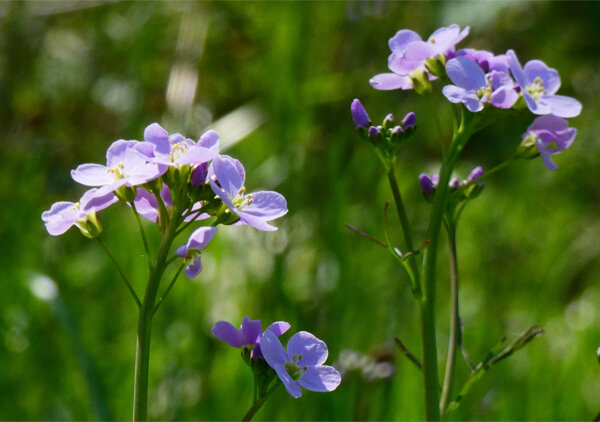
point(359, 115)
point(302, 364)
point(409, 53)
point(538, 84)
point(255, 209)
point(473, 87)
point(126, 165)
point(176, 150)
point(63, 215)
point(192, 249)
point(248, 335)
point(146, 203)
point(551, 135)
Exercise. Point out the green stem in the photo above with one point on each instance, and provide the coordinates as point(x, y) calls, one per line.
point(403, 217)
point(171, 284)
point(123, 276)
point(454, 322)
point(259, 402)
point(142, 353)
point(427, 304)
point(143, 233)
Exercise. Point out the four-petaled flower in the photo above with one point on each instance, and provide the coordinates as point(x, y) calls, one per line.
point(538, 84)
point(191, 250)
point(255, 209)
point(302, 364)
point(409, 53)
point(63, 215)
point(126, 165)
point(473, 87)
point(551, 135)
point(248, 335)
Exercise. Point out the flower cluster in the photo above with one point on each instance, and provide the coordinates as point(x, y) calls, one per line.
point(301, 365)
point(481, 79)
point(172, 181)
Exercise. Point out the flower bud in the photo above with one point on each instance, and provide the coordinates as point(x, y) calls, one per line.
point(428, 184)
point(421, 83)
point(374, 133)
point(409, 121)
point(527, 149)
point(598, 354)
point(454, 183)
point(396, 134)
point(90, 226)
point(475, 174)
point(359, 115)
point(436, 65)
point(388, 121)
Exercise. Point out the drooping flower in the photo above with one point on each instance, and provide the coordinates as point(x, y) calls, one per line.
point(126, 165)
point(302, 364)
point(551, 135)
point(248, 335)
point(473, 87)
point(176, 150)
point(255, 209)
point(192, 249)
point(63, 215)
point(538, 84)
point(146, 203)
point(359, 115)
point(409, 53)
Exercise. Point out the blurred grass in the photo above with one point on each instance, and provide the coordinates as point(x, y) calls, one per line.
point(74, 76)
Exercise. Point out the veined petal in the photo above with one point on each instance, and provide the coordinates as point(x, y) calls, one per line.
point(272, 350)
point(292, 387)
point(209, 139)
point(228, 175)
point(97, 199)
point(117, 150)
point(401, 39)
point(158, 136)
point(389, 81)
point(279, 327)
point(226, 332)
point(313, 350)
point(320, 378)
point(465, 73)
point(251, 331)
point(92, 175)
point(504, 97)
point(201, 237)
point(267, 205)
point(258, 223)
point(197, 155)
point(549, 123)
point(413, 58)
point(455, 94)
point(60, 217)
point(562, 106)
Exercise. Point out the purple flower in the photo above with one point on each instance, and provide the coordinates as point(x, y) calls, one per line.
point(409, 53)
point(248, 335)
point(126, 165)
point(302, 364)
point(359, 115)
point(63, 215)
point(551, 135)
point(428, 184)
point(175, 149)
point(473, 87)
point(191, 250)
point(538, 84)
point(409, 121)
point(254, 209)
point(147, 205)
point(485, 59)
point(476, 173)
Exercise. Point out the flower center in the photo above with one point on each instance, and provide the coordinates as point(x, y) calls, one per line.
point(241, 200)
point(536, 89)
point(294, 368)
point(177, 151)
point(118, 171)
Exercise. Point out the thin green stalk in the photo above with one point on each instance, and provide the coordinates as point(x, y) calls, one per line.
point(427, 304)
point(171, 284)
point(142, 355)
point(259, 402)
point(403, 217)
point(454, 322)
point(143, 233)
point(123, 276)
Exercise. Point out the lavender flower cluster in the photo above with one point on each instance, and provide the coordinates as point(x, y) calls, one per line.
point(481, 79)
point(301, 365)
point(167, 174)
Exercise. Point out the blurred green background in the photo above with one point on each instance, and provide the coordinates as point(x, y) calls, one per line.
point(276, 80)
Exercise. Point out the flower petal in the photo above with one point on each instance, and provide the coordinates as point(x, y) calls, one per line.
point(193, 269)
point(226, 332)
point(267, 205)
point(516, 70)
point(60, 217)
point(504, 97)
point(389, 81)
point(313, 350)
point(546, 155)
point(272, 350)
point(209, 139)
point(259, 223)
point(292, 387)
point(538, 69)
point(92, 175)
point(320, 378)
point(279, 327)
point(158, 136)
point(562, 106)
point(251, 331)
point(465, 73)
point(228, 175)
point(201, 237)
point(401, 39)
